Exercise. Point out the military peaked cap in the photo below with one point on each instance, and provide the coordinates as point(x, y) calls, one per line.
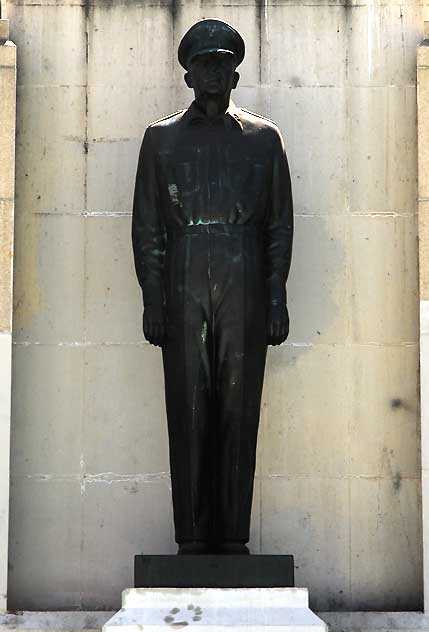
point(210, 36)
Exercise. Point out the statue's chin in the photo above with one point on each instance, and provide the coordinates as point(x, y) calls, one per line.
point(214, 90)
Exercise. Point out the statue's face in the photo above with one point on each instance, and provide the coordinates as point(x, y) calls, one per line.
point(212, 74)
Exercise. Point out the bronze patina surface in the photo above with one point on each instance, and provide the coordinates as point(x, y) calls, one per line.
point(212, 238)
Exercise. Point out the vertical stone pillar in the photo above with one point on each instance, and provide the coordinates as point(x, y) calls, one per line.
point(423, 210)
point(7, 183)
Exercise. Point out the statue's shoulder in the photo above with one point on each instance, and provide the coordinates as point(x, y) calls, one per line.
point(258, 120)
point(167, 121)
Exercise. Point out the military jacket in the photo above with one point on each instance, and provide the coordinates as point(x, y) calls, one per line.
point(193, 170)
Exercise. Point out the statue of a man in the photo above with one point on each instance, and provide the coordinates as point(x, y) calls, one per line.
point(212, 238)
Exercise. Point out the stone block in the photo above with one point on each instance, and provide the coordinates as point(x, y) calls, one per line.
point(318, 286)
point(309, 518)
point(386, 538)
point(377, 3)
point(382, 41)
point(8, 55)
point(319, 31)
point(111, 176)
point(4, 31)
point(51, 44)
point(47, 396)
point(7, 131)
point(49, 278)
point(383, 149)
point(50, 178)
point(424, 399)
point(423, 230)
point(125, 429)
point(142, 48)
point(124, 517)
point(42, 3)
point(6, 264)
point(113, 297)
point(423, 130)
point(5, 375)
point(383, 279)
point(50, 168)
point(313, 123)
point(213, 571)
point(422, 55)
point(385, 421)
point(306, 418)
point(45, 544)
point(253, 98)
point(117, 113)
point(183, 96)
point(258, 609)
point(5, 382)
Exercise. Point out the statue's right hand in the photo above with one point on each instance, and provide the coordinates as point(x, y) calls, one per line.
point(154, 325)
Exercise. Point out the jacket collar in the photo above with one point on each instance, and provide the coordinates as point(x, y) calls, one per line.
point(195, 116)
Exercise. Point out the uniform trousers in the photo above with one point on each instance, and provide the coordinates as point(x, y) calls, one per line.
point(214, 361)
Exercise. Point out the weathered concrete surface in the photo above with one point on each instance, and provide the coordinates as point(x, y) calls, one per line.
point(223, 609)
point(423, 207)
point(7, 187)
point(93, 621)
point(338, 473)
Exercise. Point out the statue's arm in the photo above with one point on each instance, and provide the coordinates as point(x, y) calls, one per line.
point(278, 244)
point(148, 237)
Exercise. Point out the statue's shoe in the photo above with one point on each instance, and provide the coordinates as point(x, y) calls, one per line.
point(193, 548)
point(233, 548)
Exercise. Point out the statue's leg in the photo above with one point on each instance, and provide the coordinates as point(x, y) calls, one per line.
point(240, 351)
point(187, 367)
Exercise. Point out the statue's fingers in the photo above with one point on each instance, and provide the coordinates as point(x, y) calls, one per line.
point(161, 334)
point(145, 326)
point(156, 332)
point(149, 332)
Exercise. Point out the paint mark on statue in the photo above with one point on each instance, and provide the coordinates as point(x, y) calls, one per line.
point(174, 193)
point(204, 333)
point(178, 620)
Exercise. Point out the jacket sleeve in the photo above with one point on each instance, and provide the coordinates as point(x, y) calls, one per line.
point(148, 231)
point(279, 226)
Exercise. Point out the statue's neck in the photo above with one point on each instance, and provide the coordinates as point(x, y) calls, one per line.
point(213, 106)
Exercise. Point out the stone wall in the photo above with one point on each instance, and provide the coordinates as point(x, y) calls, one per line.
point(7, 185)
point(338, 477)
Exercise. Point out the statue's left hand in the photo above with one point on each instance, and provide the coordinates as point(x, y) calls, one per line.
point(277, 324)
point(154, 325)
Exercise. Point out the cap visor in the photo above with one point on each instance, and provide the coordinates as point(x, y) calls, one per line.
point(203, 51)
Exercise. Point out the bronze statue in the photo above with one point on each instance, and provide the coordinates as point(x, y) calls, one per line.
point(212, 237)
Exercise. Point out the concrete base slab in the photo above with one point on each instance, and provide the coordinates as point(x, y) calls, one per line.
point(238, 609)
point(93, 621)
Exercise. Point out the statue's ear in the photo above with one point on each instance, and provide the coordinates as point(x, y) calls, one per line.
point(235, 79)
point(188, 80)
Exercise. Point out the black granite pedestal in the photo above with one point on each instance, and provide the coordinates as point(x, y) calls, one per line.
point(213, 571)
